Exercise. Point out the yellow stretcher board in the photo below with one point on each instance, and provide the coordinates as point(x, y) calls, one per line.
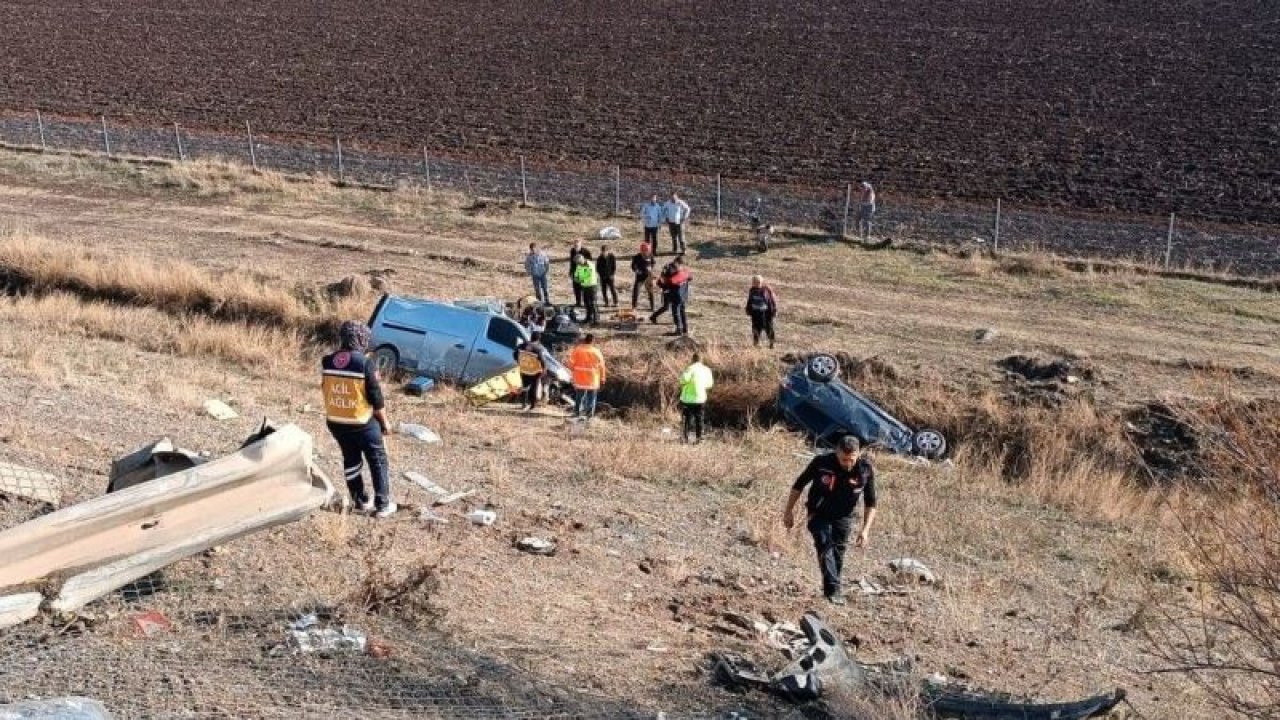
point(495, 388)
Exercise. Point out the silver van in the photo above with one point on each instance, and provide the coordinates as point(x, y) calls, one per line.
point(447, 341)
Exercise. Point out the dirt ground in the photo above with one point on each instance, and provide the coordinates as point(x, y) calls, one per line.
point(657, 540)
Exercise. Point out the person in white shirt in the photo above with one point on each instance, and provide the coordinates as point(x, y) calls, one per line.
point(866, 208)
point(677, 212)
point(652, 214)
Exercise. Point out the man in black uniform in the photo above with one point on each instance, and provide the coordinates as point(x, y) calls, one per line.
point(838, 480)
point(357, 418)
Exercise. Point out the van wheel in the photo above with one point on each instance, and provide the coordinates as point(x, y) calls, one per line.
point(386, 361)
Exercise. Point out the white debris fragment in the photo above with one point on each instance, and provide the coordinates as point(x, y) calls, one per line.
point(419, 432)
point(219, 410)
point(914, 569)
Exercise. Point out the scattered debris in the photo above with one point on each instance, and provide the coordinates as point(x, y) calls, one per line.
point(219, 410)
point(17, 609)
point(824, 666)
point(482, 517)
point(379, 649)
point(419, 432)
point(420, 385)
point(427, 516)
point(454, 497)
point(113, 540)
point(536, 546)
point(18, 481)
point(985, 335)
point(914, 569)
point(65, 708)
point(150, 623)
point(610, 232)
point(306, 636)
point(424, 482)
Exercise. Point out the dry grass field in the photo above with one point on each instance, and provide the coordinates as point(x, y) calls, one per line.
point(137, 291)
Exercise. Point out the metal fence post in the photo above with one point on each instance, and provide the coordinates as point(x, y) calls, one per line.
point(177, 140)
point(848, 198)
point(524, 184)
point(717, 199)
point(341, 170)
point(40, 124)
point(253, 154)
point(617, 189)
point(106, 139)
point(995, 243)
point(426, 167)
point(1168, 244)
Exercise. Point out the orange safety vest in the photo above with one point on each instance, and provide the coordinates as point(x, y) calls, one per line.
point(587, 365)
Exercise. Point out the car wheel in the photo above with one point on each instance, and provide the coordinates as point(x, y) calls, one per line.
point(823, 367)
point(930, 444)
point(386, 361)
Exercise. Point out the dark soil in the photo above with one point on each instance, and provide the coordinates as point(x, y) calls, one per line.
point(1048, 105)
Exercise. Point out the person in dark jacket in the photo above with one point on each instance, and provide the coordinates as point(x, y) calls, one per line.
point(607, 268)
point(531, 360)
point(837, 480)
point(642, 271)
point(674, 283)
point(762, 306)
point(574, 253)
point(357, 418)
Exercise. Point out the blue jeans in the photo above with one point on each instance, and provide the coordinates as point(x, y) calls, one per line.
point(584, 402)
point(541, 289)
point(360, 443)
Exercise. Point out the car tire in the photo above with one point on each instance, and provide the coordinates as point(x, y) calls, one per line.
point(822, 367)
point(929, 444)
point(386, 361)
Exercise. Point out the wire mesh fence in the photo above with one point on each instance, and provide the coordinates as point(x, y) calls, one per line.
point(610, 190)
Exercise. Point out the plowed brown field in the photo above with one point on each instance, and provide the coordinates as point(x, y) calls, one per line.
point(1136, 106)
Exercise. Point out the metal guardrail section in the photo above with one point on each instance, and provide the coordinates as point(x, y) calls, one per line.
point(110, 541)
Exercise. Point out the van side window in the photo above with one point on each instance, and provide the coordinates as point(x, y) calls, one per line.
point(504, 332)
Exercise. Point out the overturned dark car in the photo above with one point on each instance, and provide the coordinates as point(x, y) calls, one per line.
point(814, 399)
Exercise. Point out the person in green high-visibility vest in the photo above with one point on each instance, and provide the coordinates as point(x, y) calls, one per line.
point(695, 381)
point(586, 276)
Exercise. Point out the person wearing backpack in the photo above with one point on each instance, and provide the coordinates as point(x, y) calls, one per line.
point(530, 361)
point(762, 306)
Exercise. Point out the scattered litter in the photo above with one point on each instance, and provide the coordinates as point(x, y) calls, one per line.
point(418, 431)
point(427, 516)
point(18, 481)
point(424, 482)
point(454, 497)
point(658, 648)
point(536, 546)
point(913, 568)
point(985, 335)
point(19, 608)
point(825, 667)
point(610, 232)
point(150, 623)
point(419, 385)
point(65, 708)
point(219, 410)
point(327, 640)
point(785, 636)
point(379, 649)
point(482, 517)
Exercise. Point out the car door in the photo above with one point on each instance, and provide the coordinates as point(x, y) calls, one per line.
point(494, 351)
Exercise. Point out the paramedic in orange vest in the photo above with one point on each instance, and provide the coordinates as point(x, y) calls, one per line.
point(587, 365)
point(357, 418)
